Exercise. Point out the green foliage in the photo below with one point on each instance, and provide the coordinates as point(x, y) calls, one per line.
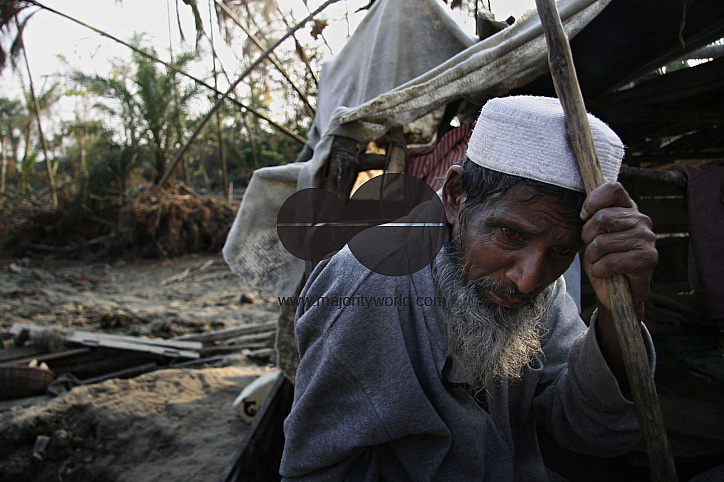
point(151, 102)
point(106, 181)
point(147, 114)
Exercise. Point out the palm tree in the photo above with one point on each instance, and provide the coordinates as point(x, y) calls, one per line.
point(163, 108)
point(9, 14)
point(81, 130)
point(29, 124)
point(145, 99)
point(10, 20)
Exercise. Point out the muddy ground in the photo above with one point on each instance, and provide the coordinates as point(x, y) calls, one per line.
point(170, 424)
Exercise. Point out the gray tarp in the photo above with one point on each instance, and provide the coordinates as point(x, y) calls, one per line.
point(406, 59)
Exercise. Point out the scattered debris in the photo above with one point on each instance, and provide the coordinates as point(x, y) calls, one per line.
point(176, 222)
point(168, 348)
point(163, 425)
point(247, 298)
point(117, 413)
point(252, 397)
point(84, 357)
point(188, 272)
point(41, 445)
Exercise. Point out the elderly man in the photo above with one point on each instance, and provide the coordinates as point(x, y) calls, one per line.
point(454, 392)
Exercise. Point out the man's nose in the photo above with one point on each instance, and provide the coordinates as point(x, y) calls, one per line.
point(527, 271)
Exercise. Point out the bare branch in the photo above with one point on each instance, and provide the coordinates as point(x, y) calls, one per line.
point(272, 57)
point(253, 65)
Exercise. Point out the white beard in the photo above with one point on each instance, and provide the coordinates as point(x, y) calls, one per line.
point(489, 342)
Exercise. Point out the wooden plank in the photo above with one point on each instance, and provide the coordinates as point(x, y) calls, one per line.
point(260, 453)
point(255, 341)
point(92, 340)
point(260, 353)
point(230, 332)
point(232, 348)
point(170, 343)
point(253, 338)
point(200, 361)
point(45, 357)
point(76, 334)
point(165, 348)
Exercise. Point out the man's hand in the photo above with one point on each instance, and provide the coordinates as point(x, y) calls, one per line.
point(618, 239)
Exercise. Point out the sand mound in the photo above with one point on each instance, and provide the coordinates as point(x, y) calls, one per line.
point(166, 425)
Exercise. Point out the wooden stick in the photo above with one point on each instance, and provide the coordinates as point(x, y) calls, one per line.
point(661, 463)
point(187, 273)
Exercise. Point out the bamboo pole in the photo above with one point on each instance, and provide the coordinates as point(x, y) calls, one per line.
point(219, 128)
point(43, 143)
point(231, 88)
point(661, 463)
point(3, 162)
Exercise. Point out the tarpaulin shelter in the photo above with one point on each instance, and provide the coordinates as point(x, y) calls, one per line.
point(408, 59)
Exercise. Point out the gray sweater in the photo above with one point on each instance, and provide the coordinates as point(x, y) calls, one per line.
point(376, 397)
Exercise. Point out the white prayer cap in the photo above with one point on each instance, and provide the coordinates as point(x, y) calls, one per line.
point(525, 136)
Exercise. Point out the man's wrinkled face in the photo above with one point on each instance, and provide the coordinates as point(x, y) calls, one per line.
point(515, 246)
point(496, 276)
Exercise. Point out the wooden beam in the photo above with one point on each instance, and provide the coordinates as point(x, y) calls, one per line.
point(654, 176)
point(229, 333)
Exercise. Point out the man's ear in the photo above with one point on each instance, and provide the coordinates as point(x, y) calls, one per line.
point(453, 196)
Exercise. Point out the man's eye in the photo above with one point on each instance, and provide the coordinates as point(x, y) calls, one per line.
point(562, 251)
point(511, 234)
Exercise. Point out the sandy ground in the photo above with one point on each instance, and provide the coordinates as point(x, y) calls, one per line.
point(171, 424)
point(179, 424)
point(129, 298)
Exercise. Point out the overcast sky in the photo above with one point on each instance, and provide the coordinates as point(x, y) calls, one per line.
point(55, 44)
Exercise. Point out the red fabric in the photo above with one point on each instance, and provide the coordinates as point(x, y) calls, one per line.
point(706, 230)
point(431, 163)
